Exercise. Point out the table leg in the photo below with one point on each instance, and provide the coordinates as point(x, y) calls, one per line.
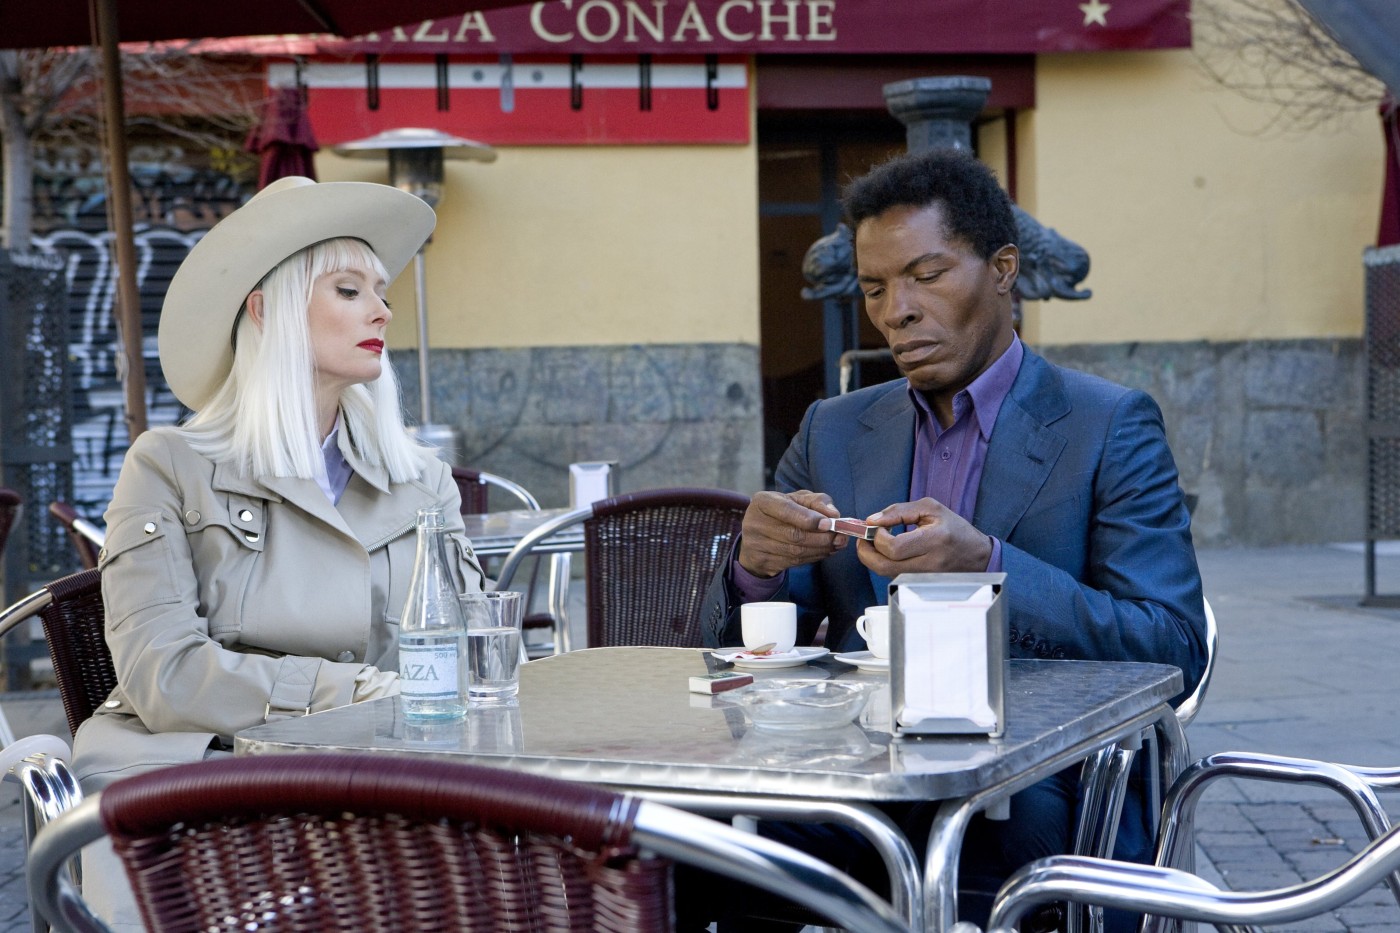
point(941, 862)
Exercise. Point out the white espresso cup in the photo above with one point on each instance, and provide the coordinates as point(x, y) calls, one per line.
point(769, 623)
point(874, 627)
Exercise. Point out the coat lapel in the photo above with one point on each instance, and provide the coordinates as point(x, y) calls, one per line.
point(367, 512)
point(1023, 448)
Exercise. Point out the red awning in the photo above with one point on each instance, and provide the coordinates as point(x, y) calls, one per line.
point(631, 27)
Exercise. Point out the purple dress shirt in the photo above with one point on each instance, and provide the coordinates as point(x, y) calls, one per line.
point(947, 461)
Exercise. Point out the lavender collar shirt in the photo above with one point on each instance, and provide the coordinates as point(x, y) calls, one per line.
point(947, 461)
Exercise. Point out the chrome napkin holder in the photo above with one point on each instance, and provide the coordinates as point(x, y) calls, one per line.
point(948, 622)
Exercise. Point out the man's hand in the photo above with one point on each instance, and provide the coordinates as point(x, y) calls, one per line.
point(780, 531)
point(937, 541)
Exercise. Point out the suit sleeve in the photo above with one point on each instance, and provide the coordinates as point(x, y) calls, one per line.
point(1138, 596)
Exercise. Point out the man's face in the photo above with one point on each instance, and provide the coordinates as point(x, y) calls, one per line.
point(945, 311)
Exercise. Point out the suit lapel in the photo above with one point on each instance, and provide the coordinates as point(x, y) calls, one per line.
point(882, 455)
point(1023, 448)
point(881, 459)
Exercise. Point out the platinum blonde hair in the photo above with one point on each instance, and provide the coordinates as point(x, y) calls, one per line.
point(263, 418)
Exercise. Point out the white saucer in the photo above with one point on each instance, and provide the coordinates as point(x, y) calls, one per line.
point(863, 660)
point(804, 655)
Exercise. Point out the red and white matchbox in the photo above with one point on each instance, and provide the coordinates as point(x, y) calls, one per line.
point(720, 682)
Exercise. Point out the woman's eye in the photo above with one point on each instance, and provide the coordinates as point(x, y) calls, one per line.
point(386, 303)
point(348, 293)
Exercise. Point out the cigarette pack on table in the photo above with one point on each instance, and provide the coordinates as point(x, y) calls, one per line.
point(948, 650)
point(719, 682)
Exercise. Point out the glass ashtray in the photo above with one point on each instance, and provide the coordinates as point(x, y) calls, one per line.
point(783, 705)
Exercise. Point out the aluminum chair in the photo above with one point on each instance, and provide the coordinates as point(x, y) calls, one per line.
point(39, 764)
point(10, 503)
point(87, 538)
point(1181, 896)
point(388, 842)
point(1104, 783)
point(475, 487)
point(650, 558)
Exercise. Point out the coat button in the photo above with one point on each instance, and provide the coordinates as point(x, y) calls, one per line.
point(102, 555)
point(149, 528)
point(345, 656)
point(112, 704)
point(192, 516)
point(245, 516)
point(251, 538)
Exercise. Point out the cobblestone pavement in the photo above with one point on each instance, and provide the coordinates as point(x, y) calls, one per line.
point(1303, 670)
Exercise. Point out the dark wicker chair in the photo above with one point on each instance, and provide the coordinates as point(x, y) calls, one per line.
point(9, 511)
point(650, 558)
point(86, 537)
point(387, 842)
point(70, 609)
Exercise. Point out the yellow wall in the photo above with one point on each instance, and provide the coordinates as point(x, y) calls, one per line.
point(587, 245)
point(1202, 221)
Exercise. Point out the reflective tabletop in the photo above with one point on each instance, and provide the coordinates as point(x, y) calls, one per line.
point(625, 717)
point(493, 534)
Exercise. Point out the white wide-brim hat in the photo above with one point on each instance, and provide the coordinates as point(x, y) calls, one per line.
point(196, 321)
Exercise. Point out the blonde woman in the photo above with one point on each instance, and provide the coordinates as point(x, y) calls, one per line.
point(258, 556)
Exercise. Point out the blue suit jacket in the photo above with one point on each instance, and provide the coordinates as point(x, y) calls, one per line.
point(1078, 484)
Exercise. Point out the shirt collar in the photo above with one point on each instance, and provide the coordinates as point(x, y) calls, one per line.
point(986, 392)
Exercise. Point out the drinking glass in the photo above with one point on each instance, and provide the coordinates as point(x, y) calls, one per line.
point(493, 645)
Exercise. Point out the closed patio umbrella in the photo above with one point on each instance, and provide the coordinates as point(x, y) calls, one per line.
point(283, 140)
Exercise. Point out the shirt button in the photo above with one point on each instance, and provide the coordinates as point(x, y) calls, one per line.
point(245, 516)
point(192, 516)
point(112, 704)
point(345, 656)
point(945, 455)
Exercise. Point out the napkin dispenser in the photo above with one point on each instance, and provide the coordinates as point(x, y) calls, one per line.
point(948, 650)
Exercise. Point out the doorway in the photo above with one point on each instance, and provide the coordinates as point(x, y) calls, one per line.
point(804, 161)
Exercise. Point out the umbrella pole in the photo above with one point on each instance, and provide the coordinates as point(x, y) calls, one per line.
point(420, 287)
point(104, 26)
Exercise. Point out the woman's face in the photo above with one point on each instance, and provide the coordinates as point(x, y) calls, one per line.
point(346, 319)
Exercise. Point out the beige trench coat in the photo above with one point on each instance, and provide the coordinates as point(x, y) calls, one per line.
point(231, 600)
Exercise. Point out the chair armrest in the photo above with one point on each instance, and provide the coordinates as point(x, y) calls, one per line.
point(527, 543)
point(1167, 892)
point(766, 864)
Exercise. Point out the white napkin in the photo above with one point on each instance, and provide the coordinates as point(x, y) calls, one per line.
point(945, 655)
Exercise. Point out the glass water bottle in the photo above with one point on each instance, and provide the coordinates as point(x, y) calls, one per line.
point(432, 633)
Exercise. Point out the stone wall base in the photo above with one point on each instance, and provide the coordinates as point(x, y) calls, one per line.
point(1268, 435)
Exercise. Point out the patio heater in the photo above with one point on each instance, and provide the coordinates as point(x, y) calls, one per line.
point(415, 165)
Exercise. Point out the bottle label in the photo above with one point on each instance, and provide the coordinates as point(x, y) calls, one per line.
point(428, 672)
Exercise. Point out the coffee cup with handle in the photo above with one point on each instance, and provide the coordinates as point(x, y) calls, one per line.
point(874, 627)
point(773, 623)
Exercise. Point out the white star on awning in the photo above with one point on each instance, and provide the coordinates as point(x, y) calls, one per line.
point(1095, 12)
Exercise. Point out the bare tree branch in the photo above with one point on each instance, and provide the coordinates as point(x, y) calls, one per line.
point(1273, 52)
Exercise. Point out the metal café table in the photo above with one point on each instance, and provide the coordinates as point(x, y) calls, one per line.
point(624, 717)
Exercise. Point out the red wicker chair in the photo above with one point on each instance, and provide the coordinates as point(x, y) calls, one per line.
point(385, 842)
point(70, 609)
point(651, 556)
